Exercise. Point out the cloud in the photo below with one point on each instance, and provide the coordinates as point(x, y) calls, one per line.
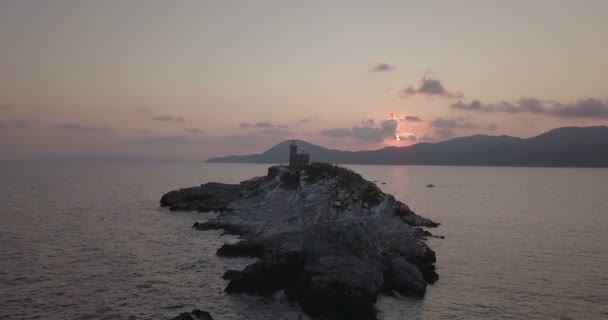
point(409, 137)
point(368, 134)
point(431, 87)
point(77, 127)
point(412, 118)
point(386, 129)
point(442, 128)
point(389, 127)
point(167, 118)
point(337, 132)
point(194, 130)
point(589, 108)
point(14, 124)
point(142, 110)
point(309, 119)
point(451, 124)
point(474, 105)
point(5, 107)
point(383, 67)
point(262, 124)
point(429, 138)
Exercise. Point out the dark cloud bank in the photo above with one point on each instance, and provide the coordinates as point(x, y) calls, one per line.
point(587, 108)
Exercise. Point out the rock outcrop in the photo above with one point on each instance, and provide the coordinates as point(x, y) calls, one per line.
point(330, 239)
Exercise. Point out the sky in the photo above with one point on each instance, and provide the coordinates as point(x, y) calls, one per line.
point(197, 79)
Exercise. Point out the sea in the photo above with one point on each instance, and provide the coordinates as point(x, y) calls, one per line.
point(87, 240)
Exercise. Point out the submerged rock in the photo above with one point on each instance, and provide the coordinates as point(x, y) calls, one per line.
point(194, 315)
point(330, 239)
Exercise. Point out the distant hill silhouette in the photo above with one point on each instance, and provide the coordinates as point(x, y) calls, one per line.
point(561, 147)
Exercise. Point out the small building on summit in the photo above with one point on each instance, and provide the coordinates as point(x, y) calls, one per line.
point(298, 158)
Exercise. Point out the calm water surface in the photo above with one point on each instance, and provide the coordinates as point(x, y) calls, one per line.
point(87, 240)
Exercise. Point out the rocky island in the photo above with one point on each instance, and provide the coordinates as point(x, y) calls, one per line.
point(331, 240)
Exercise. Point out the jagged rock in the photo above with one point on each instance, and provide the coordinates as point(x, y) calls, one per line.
point(428, 272)
point(230, 274)
point(406, 278)
point(330, 239)
point(341, 266)
point(271, 273)
point(194, 315)
point(211, 196)
point(240, 249)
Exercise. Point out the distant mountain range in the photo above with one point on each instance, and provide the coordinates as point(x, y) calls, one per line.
point(561, 147)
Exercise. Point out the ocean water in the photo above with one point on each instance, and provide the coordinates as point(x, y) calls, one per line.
point(87, 240)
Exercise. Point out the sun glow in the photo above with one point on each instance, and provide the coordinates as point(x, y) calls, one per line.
point(406, 132)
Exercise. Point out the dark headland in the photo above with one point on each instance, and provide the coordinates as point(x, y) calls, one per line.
point(561, 147)
point(331, 240)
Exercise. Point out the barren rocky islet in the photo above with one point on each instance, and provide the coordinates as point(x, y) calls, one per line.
point(330, 239)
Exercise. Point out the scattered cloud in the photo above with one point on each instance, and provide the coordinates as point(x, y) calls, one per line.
point(194, 130)
point(589, 108)
point(389, 127)
point(337, 132)
point(142, 110)
point(474, 105)
point(309, 119)
point(167, 118)
point(451, 124)
point(409, 137)
point(78, 127)
point(443, 128)
point(383, 67)
point(429, 138)
point(366, 133)
point(431, 87)
point(412, 118)
point(262, 124)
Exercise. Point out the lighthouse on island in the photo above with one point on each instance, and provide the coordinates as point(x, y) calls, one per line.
point(298, 158)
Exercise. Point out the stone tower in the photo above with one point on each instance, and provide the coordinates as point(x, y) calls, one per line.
point(297, 158)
